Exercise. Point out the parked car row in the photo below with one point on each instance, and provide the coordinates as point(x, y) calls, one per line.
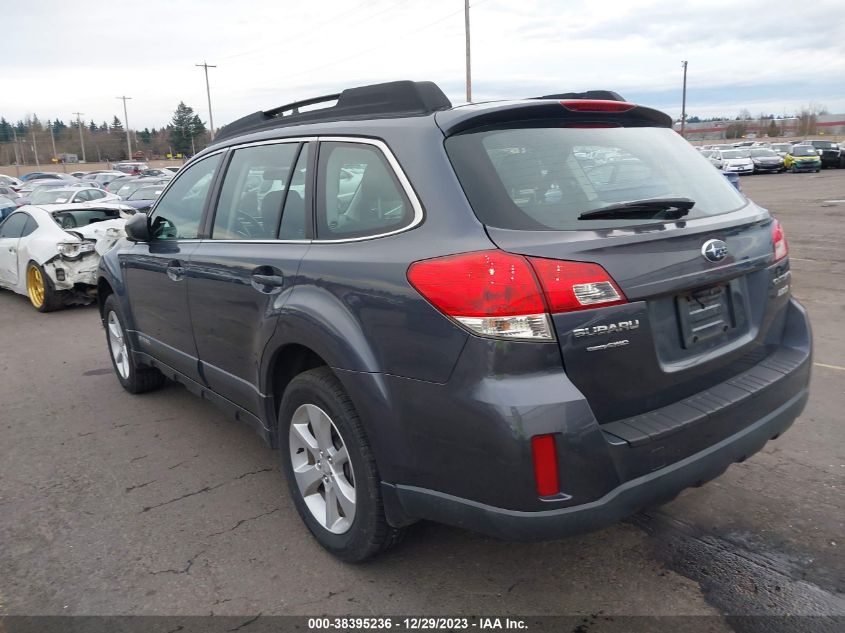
point(56, 226)
point(756, 160)
point(751, 157)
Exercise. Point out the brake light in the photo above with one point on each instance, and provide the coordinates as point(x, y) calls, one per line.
point(544, 455)
point(779, 241)
point(597, 105)
point(491, 293)
point(502, 295)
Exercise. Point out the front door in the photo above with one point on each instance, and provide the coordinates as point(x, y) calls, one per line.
point(156, 271)
point(240, 277)
point(10, 234)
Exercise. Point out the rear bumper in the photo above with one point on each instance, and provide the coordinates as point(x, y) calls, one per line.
point(654, 488)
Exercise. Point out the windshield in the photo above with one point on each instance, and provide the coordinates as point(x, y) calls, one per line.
point(735, 153)
point(781, 147)
point(147, 193)
point(824, 145)
point(50, 196)
point(543, 178)
point(804, 150)
point(83, 217)
point(759, 153)
point(127, 189)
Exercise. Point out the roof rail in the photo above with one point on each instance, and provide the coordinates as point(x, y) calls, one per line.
point(391, 99)
point(606, 95)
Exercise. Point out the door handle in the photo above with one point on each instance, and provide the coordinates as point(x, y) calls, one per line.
point(175, 271)
point(269, 280)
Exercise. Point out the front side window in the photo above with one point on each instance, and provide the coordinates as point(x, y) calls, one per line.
point(250, 204)
point(358, 193)
point(550, 177)
point(179, 211)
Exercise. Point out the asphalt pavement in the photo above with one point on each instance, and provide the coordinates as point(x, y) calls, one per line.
point(112, 504)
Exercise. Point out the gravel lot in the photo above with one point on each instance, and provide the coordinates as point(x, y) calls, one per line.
point(157, 505)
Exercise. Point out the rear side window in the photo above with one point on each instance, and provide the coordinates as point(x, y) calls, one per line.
point(13, 225)
point(543, 178)
point(179, 210)
point(250, 204)
point(358, 193)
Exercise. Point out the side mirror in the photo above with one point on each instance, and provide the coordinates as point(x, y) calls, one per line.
point(138, 228)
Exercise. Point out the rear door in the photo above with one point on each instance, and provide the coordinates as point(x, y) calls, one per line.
point(241, 275)
point(698, 300)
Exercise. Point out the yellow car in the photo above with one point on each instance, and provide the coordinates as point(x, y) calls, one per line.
point(802, 158)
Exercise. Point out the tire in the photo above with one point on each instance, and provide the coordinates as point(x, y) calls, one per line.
point(132, 377)
point(315, 405)
point(40, 289)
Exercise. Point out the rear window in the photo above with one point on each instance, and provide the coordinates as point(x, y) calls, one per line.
point(84, 217)
point(543, 178)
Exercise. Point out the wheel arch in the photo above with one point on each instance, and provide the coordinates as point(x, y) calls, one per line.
point(285, 364)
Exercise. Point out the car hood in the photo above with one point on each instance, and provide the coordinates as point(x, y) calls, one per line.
point(737, 161)
point(105, 234)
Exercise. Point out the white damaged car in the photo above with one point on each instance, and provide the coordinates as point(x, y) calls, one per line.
point(50, 253)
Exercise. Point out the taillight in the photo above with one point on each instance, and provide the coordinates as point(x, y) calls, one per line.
point(779, 241)
point(570, 286)
point(597, 105)
point(502, 295)
point(544, 455)
point(491, 293)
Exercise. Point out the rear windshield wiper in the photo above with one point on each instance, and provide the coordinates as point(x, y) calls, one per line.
point(652, 208)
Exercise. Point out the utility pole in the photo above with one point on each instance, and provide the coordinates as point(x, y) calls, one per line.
point(469, 65)
point(684, 102)
point(126, 124)
point(17, 157)
point(79, 125)
point(53, 142)
point(35, 147)
point(205, 67)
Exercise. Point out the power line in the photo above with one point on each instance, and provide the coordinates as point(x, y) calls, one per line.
point(205, 67)
point(383, 44)
point(309, 33)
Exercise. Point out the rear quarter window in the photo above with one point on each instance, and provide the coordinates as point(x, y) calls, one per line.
point(544, 177)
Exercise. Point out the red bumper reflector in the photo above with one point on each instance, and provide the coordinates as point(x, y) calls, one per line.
point(545, 465)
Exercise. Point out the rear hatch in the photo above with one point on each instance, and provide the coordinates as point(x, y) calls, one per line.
point(692, 258)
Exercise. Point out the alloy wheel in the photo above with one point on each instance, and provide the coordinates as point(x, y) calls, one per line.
point(322, 468)
point(35, 286)
point(117, 345)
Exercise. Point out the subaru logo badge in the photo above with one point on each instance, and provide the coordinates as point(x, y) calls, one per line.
point(714, 250)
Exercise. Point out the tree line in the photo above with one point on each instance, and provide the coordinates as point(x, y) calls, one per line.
point(26, 139)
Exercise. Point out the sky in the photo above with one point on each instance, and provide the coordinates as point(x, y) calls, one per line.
point(59, 57)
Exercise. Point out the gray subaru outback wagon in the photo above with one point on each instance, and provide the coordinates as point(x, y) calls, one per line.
point(526, 318)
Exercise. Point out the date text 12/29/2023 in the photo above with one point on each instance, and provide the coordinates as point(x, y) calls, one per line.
point(415, 624)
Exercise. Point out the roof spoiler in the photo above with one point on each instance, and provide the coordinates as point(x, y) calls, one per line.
point(604, 95)
point(391, 99)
